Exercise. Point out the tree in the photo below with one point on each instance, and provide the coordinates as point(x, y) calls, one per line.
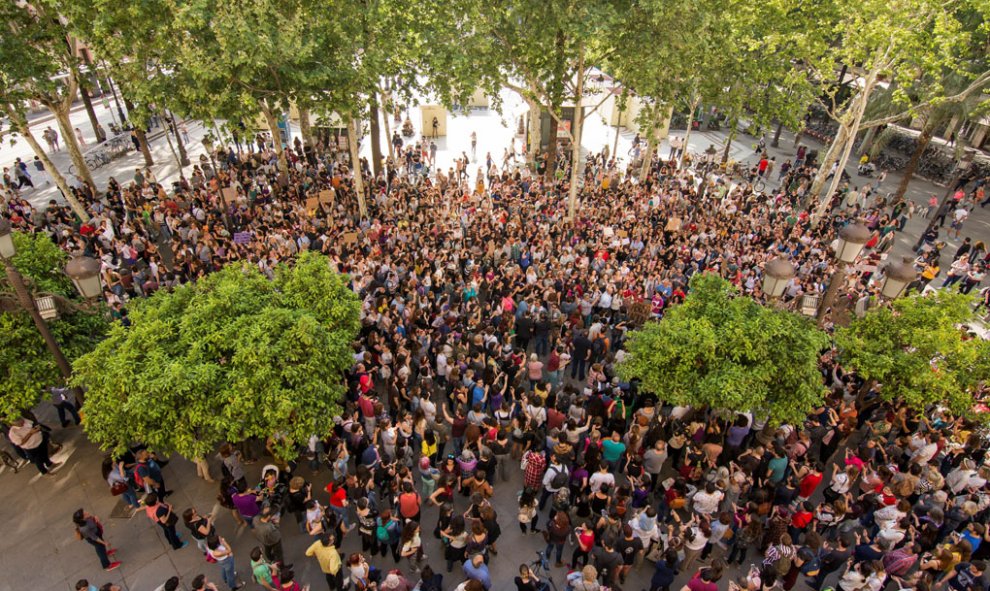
point(39, 60)
point(917, 354)
point(233, 356)
point(544, 50)
point(895, 43)
point(726, 53)
point(26, 365)
point(721, 350)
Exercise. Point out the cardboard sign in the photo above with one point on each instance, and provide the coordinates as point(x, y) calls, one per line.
point(622, 234)
point(228, 194)
point(350, 237)
point(673, 225)
point(312, 204)
point(326, 196)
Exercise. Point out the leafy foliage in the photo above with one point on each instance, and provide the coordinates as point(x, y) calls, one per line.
point(232, 356)
point(730, 352)
point(25, 363)
point(915, 351)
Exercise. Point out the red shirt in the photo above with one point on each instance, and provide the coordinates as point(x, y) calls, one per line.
point(536, 465)
point(809, 483)
point(696, 584)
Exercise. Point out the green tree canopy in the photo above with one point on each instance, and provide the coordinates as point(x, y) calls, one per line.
point(916, 353)
point(731, 353)
point(25, 363)
point(232, 356)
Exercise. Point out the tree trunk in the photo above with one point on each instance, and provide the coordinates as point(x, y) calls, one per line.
point(375, 133)
point(352, 144)
point(814, 193)
point(859, 107)
point(19, 123)
point(179, 143)
point(867, 143)
point(171, 147)
point(651, 145)
point(927, 131)
point(87, 99)
point(687, 134)
point(775, 142)
point(552, 149)
point(576, 129)
point(533, 134)
point(141, 137)
point(145, 148)
point(62, 118)
point(305, 128)
point(272, 121)
point(388, 129)
point(728, 143)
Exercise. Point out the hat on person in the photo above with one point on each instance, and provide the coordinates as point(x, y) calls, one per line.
point(424, 463)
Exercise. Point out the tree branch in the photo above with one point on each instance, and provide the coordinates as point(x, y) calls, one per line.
point(976, 85)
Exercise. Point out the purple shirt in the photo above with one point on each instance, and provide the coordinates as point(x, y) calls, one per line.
point(736, 436)
point(247, 504)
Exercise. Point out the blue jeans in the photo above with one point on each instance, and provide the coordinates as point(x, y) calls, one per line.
point(342, 514)
point(101, 553)
point(227, 571)
point(559, 548)
point(130, 497)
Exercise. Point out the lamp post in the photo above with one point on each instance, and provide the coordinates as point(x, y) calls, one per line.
point(964, 164)
point(897, 277)
point(852, 239)
point(776, 275)
point(84, 282)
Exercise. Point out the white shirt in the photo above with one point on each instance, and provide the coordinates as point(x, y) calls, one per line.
point(598, 479)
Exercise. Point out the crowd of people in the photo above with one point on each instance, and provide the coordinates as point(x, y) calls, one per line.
point(491, 326)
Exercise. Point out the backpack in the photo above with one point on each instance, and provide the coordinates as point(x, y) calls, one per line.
point(559, 479)
point(382, 533)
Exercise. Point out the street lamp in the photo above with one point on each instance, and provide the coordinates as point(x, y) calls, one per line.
point(776, 275)
point(852, 239)
point(898, 277)
point(85, 275)
point(27, 303)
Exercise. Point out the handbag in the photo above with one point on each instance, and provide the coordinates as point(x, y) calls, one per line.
point(118, 488)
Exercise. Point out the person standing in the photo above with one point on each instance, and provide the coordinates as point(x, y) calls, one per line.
point(90, 530)
point(264, 572)
point(40, 172)
point(326, 554)
point(149, 474)
point(200, 527)
point(474, 146)
point(79, 136)
point(475, 569)
point(28, 436)
point(220, 550)
point(269, 535)
point(161, 513)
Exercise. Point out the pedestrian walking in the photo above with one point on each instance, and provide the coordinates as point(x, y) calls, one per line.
point(64, 401)
point(90, 530)
point(79, 137)
point(33, 440)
